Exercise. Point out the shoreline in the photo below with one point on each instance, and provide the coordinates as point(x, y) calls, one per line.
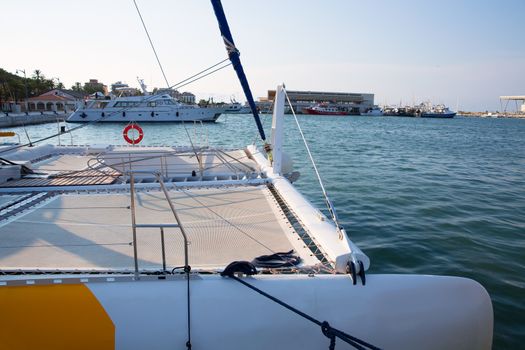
point(491, 115)
point(21, 119)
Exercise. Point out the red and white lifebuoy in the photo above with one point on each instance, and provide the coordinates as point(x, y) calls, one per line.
point(126, 132)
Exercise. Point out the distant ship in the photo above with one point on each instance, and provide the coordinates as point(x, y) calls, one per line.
point(439, 111)
point(423, 110)
point(399, 111)
point(236, 108)
point(322, 109)
point(492, 115)
point(375, 111)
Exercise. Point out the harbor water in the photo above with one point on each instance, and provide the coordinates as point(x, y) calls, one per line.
point(419, 196)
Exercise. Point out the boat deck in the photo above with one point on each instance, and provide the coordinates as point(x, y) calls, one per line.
point(92, 231)
point(84, 170)
point(103, 176)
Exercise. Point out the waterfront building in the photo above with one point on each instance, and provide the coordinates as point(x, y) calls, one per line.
point(184, 97)
point(57, 100)
point(93, 85)
point(119, 85)
point(356, 103)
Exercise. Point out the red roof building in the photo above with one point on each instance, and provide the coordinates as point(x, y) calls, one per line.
point(58, 100)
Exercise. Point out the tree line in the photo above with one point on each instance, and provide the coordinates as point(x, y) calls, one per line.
point(13, 86)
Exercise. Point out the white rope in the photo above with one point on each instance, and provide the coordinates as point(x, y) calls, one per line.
point(151, 43)
point(329, 204)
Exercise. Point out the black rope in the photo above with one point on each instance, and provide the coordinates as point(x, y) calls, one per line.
point(328, 331)
point(276, 260)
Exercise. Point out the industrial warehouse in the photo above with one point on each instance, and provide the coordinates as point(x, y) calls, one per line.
point(354, 103)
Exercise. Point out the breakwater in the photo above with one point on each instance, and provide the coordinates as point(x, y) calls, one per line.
point(21, 119)
point(492, 114)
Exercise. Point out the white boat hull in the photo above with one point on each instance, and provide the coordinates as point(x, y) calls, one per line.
point(115, 115)
point(373, 114)
point(390, 311)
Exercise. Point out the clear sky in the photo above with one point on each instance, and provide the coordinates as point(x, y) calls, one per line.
point(447, 51)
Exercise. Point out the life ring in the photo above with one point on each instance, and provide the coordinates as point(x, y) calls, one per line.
point(128, 139)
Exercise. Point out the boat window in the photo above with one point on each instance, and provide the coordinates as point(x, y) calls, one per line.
point(152, 104)
point(126, 104)
point(99, 105)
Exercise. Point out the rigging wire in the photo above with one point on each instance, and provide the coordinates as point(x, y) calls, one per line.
point(197, 74)
point(329, 204)
point(166, 80)
point(205, 75)
point(151, 43)
point(267, 120)
point(27, 135)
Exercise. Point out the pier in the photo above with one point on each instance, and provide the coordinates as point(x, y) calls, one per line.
point(22, 119)
point(492, 114)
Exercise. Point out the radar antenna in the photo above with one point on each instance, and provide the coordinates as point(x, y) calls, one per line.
point(143, 86)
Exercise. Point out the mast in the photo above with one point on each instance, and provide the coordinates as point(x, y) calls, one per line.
point(233, 54)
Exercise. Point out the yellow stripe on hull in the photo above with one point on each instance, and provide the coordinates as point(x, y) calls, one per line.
point(53, 317)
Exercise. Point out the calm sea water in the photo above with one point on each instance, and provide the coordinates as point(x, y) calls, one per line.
point(424, 196)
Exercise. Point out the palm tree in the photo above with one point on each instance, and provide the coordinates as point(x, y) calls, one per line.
point(37, 74)
point(77, 87)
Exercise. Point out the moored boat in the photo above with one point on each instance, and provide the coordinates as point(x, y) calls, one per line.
point(375, 111)
point(439, 111)
point(237, 108)
point(324, 109)
point(148, 108)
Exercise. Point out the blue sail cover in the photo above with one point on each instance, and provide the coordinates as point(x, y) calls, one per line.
point(233, 54)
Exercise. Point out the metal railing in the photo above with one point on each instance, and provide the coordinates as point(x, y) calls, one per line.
point(161, 226)
point(160, 162)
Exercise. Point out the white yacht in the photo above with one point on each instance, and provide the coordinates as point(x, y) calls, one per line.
point(236, 108)
point(375, 111)
point(150, 108)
